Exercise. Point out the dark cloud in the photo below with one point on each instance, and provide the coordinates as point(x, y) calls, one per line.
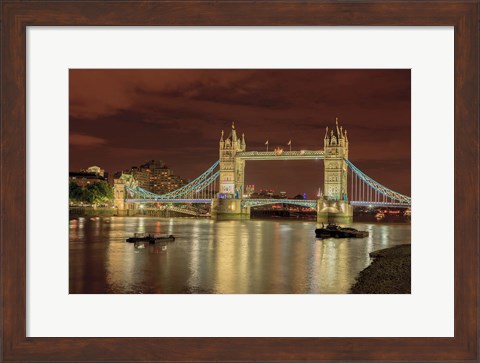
point(239, 93)
point(86, 140)
point(120, 118)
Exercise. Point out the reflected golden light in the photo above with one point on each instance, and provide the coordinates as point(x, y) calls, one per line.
point(237, 256)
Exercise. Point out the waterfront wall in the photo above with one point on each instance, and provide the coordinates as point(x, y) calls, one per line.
point(91, 212)
point(109, 212)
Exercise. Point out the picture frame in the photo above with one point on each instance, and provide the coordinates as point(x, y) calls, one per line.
point(17, 16)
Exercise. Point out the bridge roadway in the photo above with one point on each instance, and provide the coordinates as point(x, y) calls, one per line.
point(361, 203)
point(310, 203)
point(300, 202)
point(284, 155)
point(160, 200)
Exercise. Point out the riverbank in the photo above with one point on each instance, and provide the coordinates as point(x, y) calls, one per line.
point(87, 212)
point(84, 211)
point(389, 273)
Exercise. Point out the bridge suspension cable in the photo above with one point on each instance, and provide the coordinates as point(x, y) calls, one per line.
point(363, 188)
point(201, 187)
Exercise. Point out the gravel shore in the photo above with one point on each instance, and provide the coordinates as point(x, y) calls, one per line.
point(389, 273)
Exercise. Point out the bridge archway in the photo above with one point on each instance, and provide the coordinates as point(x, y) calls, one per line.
point(312, 204)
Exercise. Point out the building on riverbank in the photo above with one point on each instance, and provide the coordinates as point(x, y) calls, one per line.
point(83, 178)
point(156, 177)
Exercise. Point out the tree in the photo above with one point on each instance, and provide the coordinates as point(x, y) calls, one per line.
point(98, 193)
point(75, 192)
point(95, 194)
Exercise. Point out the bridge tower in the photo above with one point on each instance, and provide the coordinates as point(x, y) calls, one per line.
point(333, 204)
point(119, 194)
point(232, 178)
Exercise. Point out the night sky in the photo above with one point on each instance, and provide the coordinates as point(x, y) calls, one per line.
point(122, 118)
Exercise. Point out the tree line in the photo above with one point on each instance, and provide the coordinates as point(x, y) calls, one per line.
point(96, 194)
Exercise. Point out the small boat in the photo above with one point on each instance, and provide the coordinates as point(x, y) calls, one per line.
point(140, 245)
point(150, 238)
point(335, 231)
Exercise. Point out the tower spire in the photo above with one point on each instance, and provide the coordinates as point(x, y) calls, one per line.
point(234, 133)
point(221, 137)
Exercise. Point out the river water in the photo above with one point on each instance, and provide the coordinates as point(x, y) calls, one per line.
point(276, 256)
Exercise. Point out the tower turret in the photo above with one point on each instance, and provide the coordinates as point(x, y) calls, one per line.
point(231, 167)
point(222, 142)
point(234, 133)
point(335, 154)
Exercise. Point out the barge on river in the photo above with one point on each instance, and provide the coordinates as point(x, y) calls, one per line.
point(150, 238)
point(332, 230)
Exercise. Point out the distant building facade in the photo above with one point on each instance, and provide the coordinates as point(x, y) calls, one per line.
point(95, 169)
point(83, 178)
point(155, 177)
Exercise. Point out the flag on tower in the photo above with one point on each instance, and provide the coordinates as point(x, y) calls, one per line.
point(290, 142)
point(266, 143)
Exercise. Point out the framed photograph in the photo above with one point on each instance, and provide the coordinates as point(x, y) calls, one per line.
point(254, 181)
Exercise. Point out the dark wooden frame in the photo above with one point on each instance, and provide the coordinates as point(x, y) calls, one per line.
point(16, 16)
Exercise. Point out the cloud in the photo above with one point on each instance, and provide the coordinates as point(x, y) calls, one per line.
point(77, 139)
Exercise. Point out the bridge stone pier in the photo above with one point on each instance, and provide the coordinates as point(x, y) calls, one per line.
point(229, 209)
point(334, 211)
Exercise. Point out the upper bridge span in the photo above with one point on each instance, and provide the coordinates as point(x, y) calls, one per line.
point(281, 155)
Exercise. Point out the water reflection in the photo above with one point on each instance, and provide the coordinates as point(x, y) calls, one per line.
point(229, 257)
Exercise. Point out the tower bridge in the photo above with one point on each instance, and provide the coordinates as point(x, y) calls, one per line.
point(222, 186)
